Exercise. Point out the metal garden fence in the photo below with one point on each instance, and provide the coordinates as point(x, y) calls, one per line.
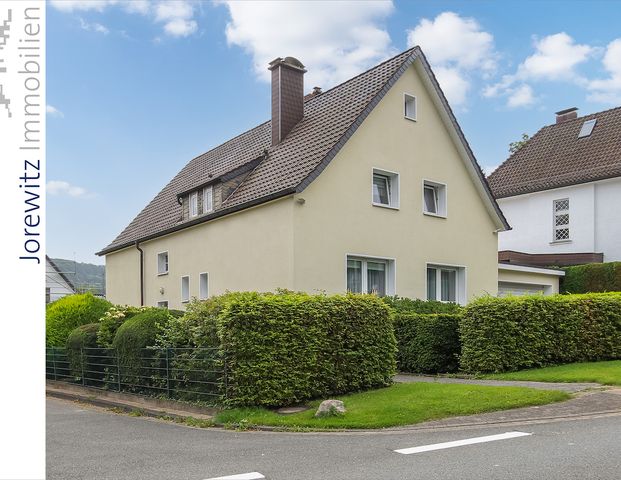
point(179, 373)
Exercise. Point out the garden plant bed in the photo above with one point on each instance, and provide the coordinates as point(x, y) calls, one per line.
point(606, 373)
point(397, 405)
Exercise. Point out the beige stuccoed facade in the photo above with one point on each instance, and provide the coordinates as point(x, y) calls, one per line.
point(302, 241)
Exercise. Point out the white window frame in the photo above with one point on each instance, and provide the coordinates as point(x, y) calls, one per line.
point(157, 266)
point(441, 198)
point(567, 226)
point(185, 298)
point(391, 271)
point(460, 281)
point(160, 304)
point(203, 288)
point(193, 204)
point(409, 99)
point(393, 188)
point(208, 195)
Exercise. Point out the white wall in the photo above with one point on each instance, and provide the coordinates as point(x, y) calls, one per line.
point(595, 223)
point(56, 283)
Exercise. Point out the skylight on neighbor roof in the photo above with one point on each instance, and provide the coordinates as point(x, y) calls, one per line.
point(587, 128)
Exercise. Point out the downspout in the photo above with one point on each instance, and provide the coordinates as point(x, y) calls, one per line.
point(141, 273)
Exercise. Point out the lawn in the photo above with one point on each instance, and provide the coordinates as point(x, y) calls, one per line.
point(399, 404)
point(607, 373)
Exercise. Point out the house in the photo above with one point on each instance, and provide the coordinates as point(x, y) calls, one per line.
point(561, 193)
point(368, 187)
point(57, 283)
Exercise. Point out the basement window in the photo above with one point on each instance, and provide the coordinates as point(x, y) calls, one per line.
point(162, 304)
point(162, 263)
point(409, 106)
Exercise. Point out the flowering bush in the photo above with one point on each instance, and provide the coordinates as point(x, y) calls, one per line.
point(112, 320)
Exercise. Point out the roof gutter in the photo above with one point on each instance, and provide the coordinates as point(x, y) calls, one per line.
point(203, 219)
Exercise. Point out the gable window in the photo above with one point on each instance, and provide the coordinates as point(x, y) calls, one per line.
point(162, 263)
point(385, 188)
point(185, 289)
point(561, 220)
point(207, 199)
point(434, 198)
point(162, 304)
point(203, 286)
point(194, 204)
point(446, 283)
point(409, 107)
point(370, 275)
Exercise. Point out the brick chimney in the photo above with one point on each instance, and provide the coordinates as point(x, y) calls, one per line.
point(566, 115)
point(287, 96)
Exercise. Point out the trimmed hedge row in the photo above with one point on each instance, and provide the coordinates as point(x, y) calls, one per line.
point(427, 343)
point(281, 349)
point(593, 277)
point(409, 305)
point(514, 333)
point(67, 313)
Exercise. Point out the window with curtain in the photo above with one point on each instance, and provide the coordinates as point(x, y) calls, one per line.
point(208, 199)
point(369, 276)
point(443, 284)
point(354, 276)
point(376, 278)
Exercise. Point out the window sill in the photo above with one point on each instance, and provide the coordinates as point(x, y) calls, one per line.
point(383, 205)
point(560, 242)
point(409, 118)
point(437, 215)
point(185, 301)
point(162, 274)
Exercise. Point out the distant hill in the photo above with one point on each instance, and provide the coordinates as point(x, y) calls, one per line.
point(85, 276)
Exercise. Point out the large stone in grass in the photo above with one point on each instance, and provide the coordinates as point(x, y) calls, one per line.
point(330, 408)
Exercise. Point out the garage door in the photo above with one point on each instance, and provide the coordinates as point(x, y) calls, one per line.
point(509, 288)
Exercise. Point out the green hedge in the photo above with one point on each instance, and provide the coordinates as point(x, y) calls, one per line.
point(131, 340)
point(409, 305)
point(67, 313)
point(593, 277)
point(514, 333)
point(285, 348)
point(427, 343)
point(85, 336)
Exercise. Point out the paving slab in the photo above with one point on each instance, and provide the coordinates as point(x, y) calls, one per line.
point(564, 387)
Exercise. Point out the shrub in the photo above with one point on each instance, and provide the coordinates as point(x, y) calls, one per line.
point(131, 340)
point(593, 277)
point(285, 348)
point(112, 320)
point(85, 336)
point(513, 333)
point(402, 304)
point(427, 343)
point(67, 313)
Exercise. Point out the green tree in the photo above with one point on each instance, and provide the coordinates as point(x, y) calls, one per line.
point(515, 146)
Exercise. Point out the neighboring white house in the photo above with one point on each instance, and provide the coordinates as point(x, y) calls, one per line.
point(57, 284)
point(561, 193)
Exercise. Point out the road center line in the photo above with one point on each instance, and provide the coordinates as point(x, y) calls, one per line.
point(241, 476)
point(460, 443)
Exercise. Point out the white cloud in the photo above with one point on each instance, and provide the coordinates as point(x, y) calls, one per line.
point(334, 40)
point(93, 27)
point(176, 16)
point(609, 90)
point(60, 187)
point(457, 49)
point(521, 96)
point(54, 112)
point(555, 59)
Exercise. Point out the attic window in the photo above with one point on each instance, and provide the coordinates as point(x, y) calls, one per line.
point(409, 107)
point(587, 128)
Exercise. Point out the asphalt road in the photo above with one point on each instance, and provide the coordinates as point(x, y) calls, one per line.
point(88, 443)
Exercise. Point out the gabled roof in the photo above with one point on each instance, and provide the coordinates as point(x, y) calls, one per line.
point(330, 119)
point(555, 157)
point(59, 272)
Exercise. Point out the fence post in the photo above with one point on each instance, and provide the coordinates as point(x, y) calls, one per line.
point(82, 362)
point(54, 362)
point(118, 369)
point(168, 372)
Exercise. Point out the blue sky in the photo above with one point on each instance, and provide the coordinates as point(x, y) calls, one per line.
point(137, 89)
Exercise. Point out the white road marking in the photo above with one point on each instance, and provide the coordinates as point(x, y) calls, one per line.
point(460, 443)
point(241, 476)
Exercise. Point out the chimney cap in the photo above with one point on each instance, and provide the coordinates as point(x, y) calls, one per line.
point(567, 110)
point(290, 62)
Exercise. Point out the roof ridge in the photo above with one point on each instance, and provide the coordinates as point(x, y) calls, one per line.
point(582, 117)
